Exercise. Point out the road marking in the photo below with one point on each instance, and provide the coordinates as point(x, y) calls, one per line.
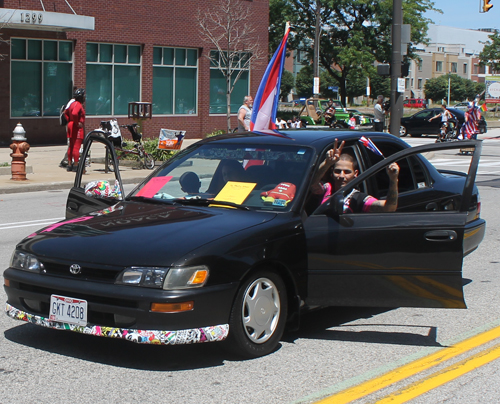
point(444, 376)
point(410, 369)
point(37, 222)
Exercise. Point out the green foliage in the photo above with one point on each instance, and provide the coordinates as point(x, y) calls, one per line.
point(304, 82)
point(490, 55)
point(216, 133)
point(151, 147)
point(4, 164)
point(460, 88)
point(287, 83)
point(354, 34)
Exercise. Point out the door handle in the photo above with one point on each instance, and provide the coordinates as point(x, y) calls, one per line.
point(441, 235)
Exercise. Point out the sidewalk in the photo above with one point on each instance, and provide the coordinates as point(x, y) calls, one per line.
point(44, 173)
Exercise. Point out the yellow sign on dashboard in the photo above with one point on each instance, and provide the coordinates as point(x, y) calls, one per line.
point(235, 192)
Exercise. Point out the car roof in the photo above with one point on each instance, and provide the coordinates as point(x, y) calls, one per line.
point(318, 139)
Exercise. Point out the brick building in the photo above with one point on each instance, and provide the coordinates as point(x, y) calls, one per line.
point(120, 52)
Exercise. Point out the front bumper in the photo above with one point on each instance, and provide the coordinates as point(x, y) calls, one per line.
point(158, 337)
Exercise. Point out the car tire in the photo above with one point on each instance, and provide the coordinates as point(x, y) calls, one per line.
point(402, 131)
point(258, 315)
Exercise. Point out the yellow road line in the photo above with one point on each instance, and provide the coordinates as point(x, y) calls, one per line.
point(410, 369)
point(444, 376)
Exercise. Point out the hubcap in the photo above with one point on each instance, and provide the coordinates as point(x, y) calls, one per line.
point(261, 310)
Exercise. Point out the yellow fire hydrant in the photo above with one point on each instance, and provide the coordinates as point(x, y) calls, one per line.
point(19, 148)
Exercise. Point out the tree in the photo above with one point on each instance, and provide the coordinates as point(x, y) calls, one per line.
point(460, 88)
point(227, 26)
point(490, 55)
point(355, 33)
point(287, 83)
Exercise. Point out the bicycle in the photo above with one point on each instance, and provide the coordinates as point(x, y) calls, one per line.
point(112, 132)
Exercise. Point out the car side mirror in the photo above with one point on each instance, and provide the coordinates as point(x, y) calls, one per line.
point(335, 205)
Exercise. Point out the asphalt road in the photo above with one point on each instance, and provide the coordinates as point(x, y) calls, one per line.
point(335, 349)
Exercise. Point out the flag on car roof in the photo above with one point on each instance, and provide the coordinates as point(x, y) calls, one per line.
point(265, 103)
point(370, 145)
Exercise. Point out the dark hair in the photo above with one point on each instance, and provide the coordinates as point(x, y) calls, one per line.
point(348, 157)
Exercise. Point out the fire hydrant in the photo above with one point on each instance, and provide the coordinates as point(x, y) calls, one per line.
point(19, 148)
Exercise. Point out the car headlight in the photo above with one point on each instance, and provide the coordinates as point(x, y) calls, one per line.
point(186, 277)
point(25, 262)
point(149, 277)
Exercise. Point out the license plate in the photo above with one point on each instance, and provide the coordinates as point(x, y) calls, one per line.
point(68, 310)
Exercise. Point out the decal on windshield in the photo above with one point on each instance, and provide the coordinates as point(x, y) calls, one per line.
point(153, 186)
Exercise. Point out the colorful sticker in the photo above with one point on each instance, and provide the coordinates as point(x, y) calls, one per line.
point(158, 337)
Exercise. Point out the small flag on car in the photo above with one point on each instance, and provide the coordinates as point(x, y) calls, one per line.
point(483, 108)
point(370, 145)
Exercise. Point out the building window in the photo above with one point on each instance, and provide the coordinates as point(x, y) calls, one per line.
point(476, 68)
point(419, 84)
point(41, 76)
point(218, 87)
point(453, 67)
point(113, 78)
point(175, 81)
point(439, 66)
point(419, 64)
point(465, 68)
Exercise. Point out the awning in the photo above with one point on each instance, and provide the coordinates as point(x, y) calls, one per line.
point(45, 21)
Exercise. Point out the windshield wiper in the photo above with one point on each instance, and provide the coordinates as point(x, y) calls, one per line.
point(207, 202)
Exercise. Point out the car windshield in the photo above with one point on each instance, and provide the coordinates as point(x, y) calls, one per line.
point(237, 176)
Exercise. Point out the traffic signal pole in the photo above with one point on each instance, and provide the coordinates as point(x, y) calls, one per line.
point(396, 98)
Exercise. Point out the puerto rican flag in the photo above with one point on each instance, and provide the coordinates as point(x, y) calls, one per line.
point(370, 145)
point(265, 103)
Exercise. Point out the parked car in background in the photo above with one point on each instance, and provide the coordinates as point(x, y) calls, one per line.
point(228, 240)
point(362, 118)
point(418, 124)
point(415, 103)
point(462, 106)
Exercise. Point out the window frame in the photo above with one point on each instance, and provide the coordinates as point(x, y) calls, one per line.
point(42, 62)
point(114, 63)
point(176, 66)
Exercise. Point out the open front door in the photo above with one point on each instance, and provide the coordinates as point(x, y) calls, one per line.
point(405, 258)
point(97, 184)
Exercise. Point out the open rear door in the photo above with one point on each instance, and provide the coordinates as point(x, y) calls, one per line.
point(397, 259)
point(97, 184)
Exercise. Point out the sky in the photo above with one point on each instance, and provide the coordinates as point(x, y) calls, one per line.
point(465, 14)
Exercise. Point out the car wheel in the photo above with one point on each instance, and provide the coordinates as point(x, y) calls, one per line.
point(402, 131)
point(258, 315)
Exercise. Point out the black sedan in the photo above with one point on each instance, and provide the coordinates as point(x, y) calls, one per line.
point(418, 124)
point(226, 240)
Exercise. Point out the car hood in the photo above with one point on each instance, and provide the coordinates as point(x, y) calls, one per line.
point(136, 233)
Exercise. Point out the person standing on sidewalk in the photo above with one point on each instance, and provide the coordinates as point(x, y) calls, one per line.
point(379, 114)
point(245, 114)
point(76, 120)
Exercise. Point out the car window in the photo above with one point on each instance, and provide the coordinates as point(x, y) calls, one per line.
point(426, 114)
point(412, 173)
point(265, 177)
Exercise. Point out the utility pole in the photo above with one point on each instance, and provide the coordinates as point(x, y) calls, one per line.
point(316, 50)
point(396, 99)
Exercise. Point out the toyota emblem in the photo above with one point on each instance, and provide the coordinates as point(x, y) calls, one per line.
point(75, 269)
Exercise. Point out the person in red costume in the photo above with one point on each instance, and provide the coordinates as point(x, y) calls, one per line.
point(76, 120)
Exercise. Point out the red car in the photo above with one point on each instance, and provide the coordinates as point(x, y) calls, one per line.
point(414, 103)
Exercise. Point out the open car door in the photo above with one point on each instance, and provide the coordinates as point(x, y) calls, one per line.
point(398, 259)
point(97, 184)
